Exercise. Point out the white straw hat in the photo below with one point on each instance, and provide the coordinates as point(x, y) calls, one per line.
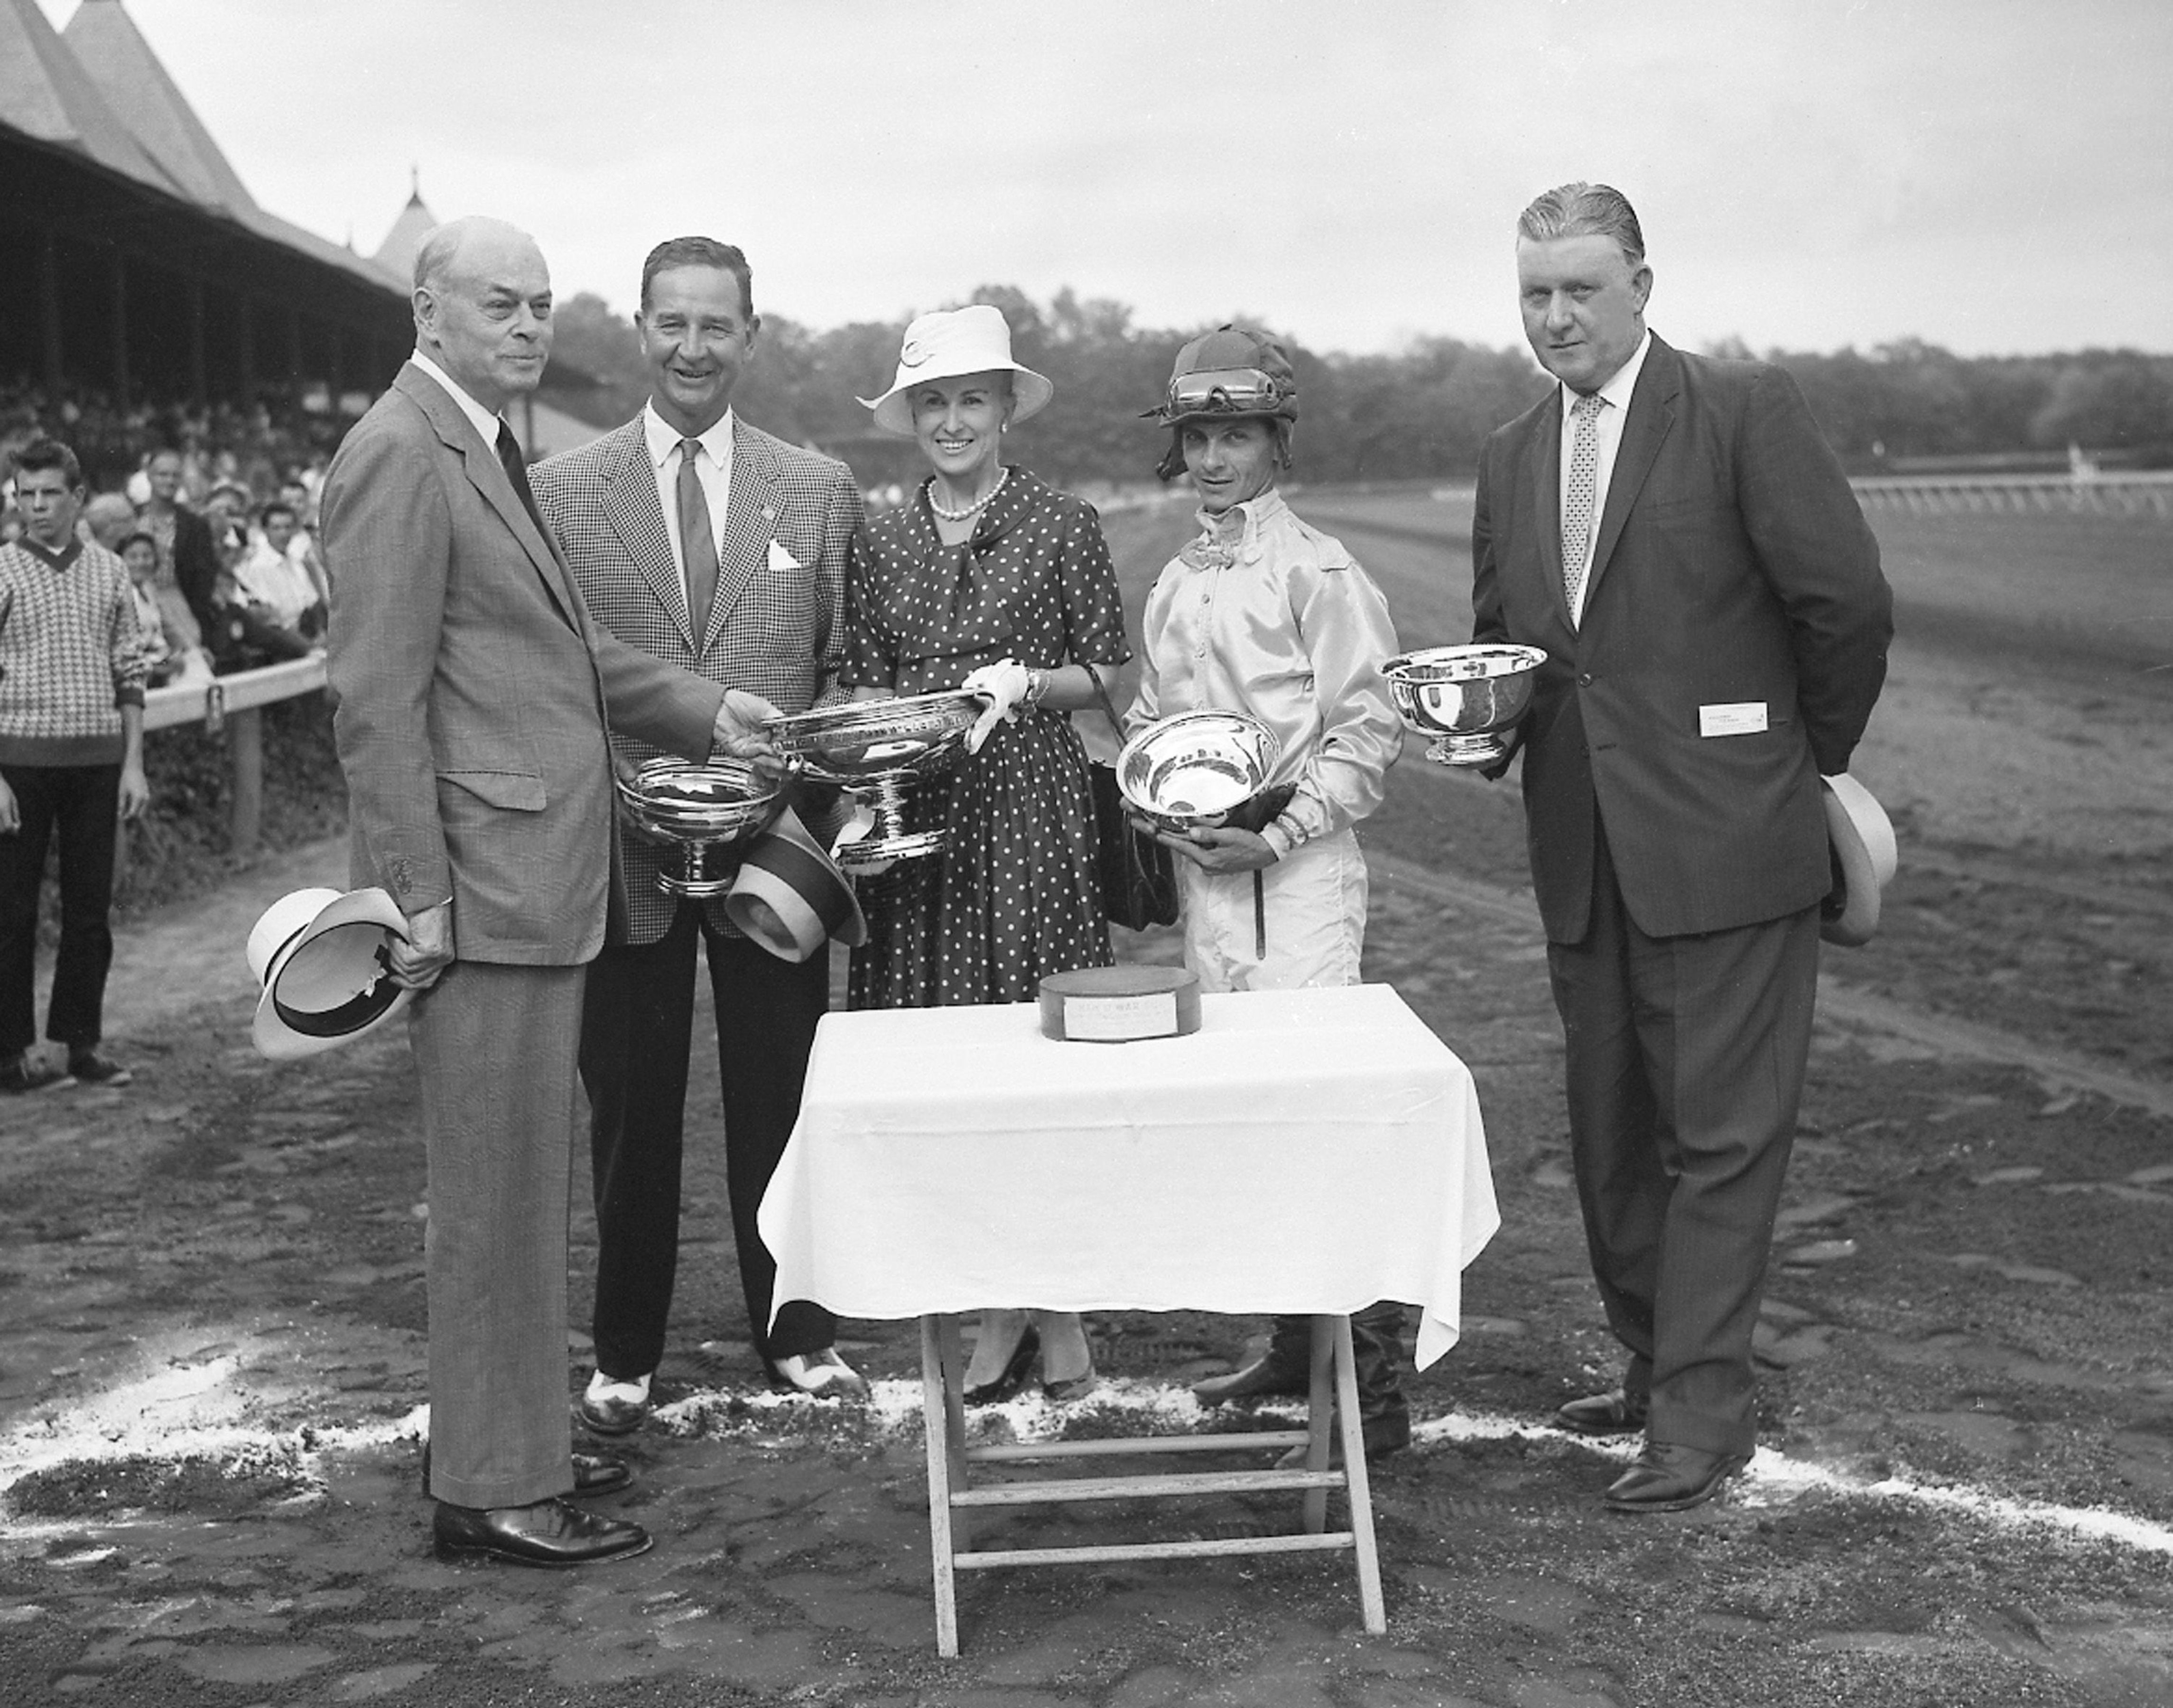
point(942, 345)
point(319, 956)
point(1862, 838)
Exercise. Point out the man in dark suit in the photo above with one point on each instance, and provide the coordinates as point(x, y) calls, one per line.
point(472, 696)
point(712, 545)
point(185, 544)
point(1675, 535)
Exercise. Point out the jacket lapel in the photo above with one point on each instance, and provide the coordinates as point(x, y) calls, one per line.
point(750, 525)
point(636, 515)
point(487, 475)
point(1652, 416)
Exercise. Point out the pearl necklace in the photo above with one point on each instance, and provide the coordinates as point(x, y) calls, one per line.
point(979, 504)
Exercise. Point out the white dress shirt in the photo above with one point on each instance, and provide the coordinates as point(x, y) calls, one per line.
point(487, 423)
point(712, 467)
point(1615, 396)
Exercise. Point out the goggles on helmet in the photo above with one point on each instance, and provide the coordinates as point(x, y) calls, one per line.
point(1225, 392)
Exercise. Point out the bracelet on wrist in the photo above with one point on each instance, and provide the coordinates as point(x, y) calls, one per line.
point(1037, 685)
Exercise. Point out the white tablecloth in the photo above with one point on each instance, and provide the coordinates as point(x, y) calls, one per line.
point(1305, 1151)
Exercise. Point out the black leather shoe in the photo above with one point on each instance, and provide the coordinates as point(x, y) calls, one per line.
point(1614, 1412)
point(593, 1474)
point(550, 1533)
point(1667, 1478)
point(1254, 1380)
point(1013, 1378)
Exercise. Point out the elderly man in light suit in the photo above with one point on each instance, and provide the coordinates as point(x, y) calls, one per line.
point(473, 693)
point(1676, 536)
point(710, 544)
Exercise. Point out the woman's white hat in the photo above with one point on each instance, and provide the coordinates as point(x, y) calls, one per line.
point(807, 899)
point(320, 957)
point(1862, 838)
point(972, 340)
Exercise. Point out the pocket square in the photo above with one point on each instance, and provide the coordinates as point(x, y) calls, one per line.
point(780, 560)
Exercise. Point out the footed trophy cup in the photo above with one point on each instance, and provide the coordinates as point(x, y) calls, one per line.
point(704, 814)
point(879, 749)
point(1468, 697)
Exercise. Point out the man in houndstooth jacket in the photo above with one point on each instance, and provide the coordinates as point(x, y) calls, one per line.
point(686, 508)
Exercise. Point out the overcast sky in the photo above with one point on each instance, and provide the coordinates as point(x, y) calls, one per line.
point(1993, 176)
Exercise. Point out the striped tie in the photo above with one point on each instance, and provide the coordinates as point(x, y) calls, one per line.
point(1576, 503)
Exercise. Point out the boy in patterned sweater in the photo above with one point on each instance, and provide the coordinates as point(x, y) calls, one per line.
point(72, 670)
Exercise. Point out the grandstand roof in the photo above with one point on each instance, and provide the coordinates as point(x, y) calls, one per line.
point(46, 94)
point(98, 90)
point(396, 254)
point(106, 43)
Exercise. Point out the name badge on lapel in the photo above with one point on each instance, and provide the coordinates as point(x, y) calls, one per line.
point(781, 560)
point(1738, 718)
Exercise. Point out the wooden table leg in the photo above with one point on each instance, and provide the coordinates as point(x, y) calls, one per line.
point(1358, 1484)
point(935, 1399)
point(1320, 1408)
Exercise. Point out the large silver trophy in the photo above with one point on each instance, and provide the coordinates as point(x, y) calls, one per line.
point(704, 814)
point(879, 749)
point(1468, 697)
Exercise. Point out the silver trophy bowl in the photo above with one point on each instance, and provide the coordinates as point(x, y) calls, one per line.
point(1469, 697)
point(704, 815)
point(1194, 770)
point(879, 749)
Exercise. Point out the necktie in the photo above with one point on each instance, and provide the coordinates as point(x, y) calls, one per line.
point(516, 471)
point(1576, 503)
point(698, 542)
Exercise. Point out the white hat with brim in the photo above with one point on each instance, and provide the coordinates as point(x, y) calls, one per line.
point(1862, 839)
point(791, 897)
point(942, 346)
point(321, 958)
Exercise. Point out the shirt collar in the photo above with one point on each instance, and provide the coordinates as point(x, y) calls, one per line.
point(485, 422)
point(59, 560)
point(1252, 515)
point(1620, 383)
point(663, 438)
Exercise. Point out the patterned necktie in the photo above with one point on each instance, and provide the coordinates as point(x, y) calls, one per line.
point(1577, 503)
point(698, 542)
point(516, 471)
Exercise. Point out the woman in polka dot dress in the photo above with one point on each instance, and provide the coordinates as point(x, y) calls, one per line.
point(990, 579)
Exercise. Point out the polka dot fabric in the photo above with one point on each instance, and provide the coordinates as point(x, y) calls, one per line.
point(1014, 898)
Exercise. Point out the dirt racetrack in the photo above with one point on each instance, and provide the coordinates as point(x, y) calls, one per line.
point(211, 1347)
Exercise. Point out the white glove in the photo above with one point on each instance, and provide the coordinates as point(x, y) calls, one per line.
point(1004, 685)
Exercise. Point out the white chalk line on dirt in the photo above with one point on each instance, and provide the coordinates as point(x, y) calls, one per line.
point(147, 1419)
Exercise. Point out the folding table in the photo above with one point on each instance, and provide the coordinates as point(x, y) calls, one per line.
point(1305, 1152)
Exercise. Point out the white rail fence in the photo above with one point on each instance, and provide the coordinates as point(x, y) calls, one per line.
point(235, 704)
point(2141, 493)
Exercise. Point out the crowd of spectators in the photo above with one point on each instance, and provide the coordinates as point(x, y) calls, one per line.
point(212, 508)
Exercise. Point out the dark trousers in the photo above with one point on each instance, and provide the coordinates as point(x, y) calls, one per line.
point(1377, 1354)
point(636, 1033)
point(81, 805)
point(1685, 1065)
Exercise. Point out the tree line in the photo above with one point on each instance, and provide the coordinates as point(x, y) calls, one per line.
point(1420, 413)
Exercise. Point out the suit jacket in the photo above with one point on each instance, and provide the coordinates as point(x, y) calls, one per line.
point(1732, 565)
point(777, 626)
point(472, 690)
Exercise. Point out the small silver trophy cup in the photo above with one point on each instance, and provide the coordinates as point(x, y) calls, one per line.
point(1196, 769)
point(879, 749)
point(1468, 697)
point(702, 814)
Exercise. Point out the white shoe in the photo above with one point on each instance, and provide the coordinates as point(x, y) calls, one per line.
point(612, 1408)
point(823, 1375)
